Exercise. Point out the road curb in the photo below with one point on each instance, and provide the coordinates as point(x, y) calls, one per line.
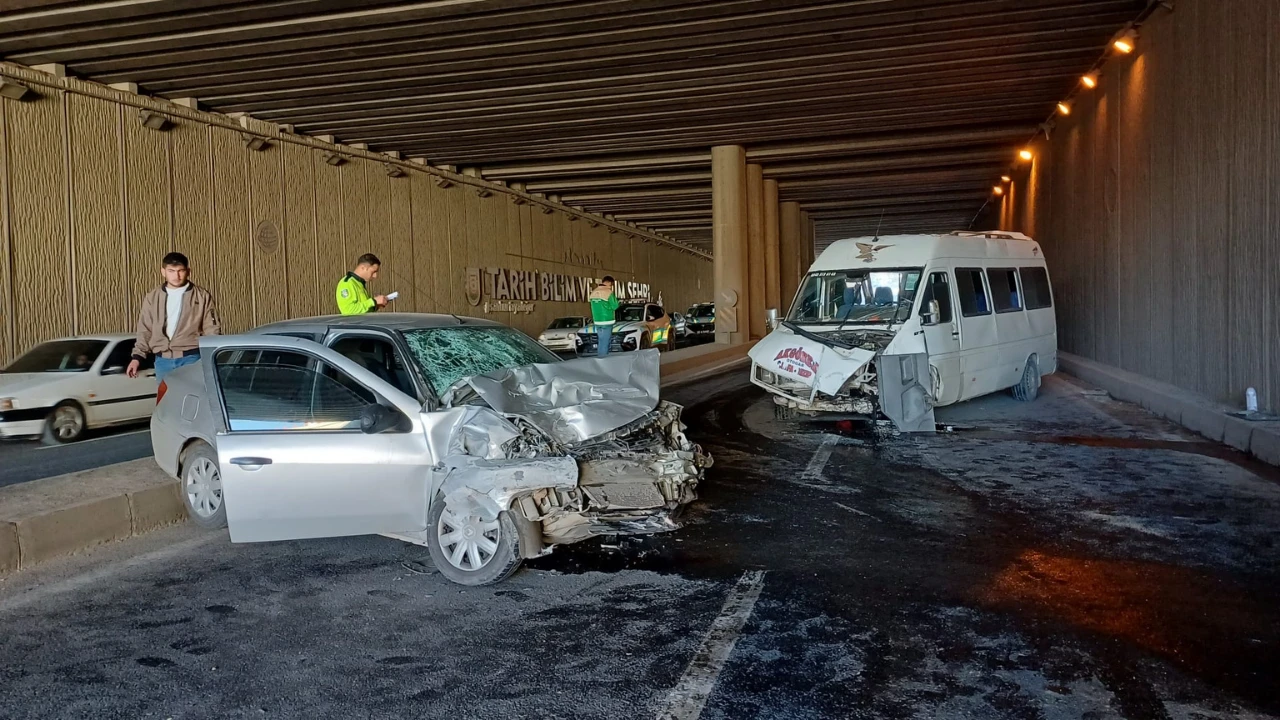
point(1194, 412)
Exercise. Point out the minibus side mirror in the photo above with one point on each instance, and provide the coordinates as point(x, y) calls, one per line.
point(771, 319)
point(929, 315)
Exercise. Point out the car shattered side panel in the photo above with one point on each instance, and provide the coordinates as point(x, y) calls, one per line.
point(577, 400)
point(474, 486)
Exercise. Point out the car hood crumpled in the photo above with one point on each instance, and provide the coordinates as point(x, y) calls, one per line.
point(576, 400)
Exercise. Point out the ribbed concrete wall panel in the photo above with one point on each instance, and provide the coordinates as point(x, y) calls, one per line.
point(97, 220)
point(268, 262)
point(400, 243)
point(1163, 220)
point(332, 260)
point(191, 165)
point(38, 229)
point(299, 232)
point(7, 349)
point(355, 215)
point(146, 205)
point(234, 280)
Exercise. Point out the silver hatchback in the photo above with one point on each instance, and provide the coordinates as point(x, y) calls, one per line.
point(462, 435)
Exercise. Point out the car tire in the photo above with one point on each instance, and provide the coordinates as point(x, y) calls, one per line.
point(645, 342)
point(671, 341)
point(1029, 387)
point(500, 563)
point(66, 423)
point(200, 483)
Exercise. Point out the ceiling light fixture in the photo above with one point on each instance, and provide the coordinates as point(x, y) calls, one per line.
point(152, 120)
point(1125, 40)
point(1090, 80)
point(1005, 178)
point(1064, 108)
point(15, 91)
point(332, 158)
point(997, 190)
point(1026, 154)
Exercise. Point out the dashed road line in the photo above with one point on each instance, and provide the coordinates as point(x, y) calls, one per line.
point(820, 457)
point(687, 699)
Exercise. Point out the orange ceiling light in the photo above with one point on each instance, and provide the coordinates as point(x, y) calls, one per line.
point(1090, 81)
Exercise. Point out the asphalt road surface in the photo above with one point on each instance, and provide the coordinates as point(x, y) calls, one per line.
point(1069, 558)
point(25, 460)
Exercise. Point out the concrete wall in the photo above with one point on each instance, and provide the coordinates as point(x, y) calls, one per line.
point(1158, 204)
point(90, 200)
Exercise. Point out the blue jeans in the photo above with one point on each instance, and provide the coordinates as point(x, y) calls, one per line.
point(164, 366)
point(604, 335)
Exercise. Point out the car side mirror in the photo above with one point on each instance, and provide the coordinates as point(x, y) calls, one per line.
point(930, 313)
point(771, 319)
point(375, 419)
point(113, 370)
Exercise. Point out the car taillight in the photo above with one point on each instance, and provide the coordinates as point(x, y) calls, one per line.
point(160, 391)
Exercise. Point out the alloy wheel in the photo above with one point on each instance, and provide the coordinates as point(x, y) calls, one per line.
point(467, 541)
point(204, 487)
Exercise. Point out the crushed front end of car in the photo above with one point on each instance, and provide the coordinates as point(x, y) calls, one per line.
point(570, 450)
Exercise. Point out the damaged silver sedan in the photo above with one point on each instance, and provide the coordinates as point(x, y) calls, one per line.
point(458, 434)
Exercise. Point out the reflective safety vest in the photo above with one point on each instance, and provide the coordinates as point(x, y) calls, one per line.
point(353, 298)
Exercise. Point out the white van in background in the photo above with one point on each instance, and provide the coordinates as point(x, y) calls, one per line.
point(898, 325)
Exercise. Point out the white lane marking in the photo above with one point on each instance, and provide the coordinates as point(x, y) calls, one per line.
point(80, 443)
point(856, 511)
point(687, 699)
point(820, 457)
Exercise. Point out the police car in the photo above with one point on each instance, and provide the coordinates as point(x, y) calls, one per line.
point(639, 325)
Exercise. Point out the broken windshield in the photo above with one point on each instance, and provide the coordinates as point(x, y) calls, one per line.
point(448, 354)
point(855, 296)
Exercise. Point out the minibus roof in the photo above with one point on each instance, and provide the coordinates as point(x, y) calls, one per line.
point(903, 251)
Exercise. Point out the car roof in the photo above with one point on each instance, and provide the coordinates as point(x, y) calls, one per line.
point(378, 321)
point(109, 337)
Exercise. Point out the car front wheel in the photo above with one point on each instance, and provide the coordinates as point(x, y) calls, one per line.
point(202, 486)
point(66, 423)
point(470, 550)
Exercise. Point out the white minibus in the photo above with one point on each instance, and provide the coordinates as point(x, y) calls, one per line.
point(899, 325)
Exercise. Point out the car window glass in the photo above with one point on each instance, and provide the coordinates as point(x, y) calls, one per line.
point(59, 356)
point(938, 289)
point(1035, 285)
point(972, 292)
point(120, 355)
point(652, 312)
point(1004, 289)
point(378, 356)
point(270, 390)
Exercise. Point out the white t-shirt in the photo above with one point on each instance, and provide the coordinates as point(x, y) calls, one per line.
point(173, 309)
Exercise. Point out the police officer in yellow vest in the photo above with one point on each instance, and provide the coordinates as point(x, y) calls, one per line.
point(353, 298)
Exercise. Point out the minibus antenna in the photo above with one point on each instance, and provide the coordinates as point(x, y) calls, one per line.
point(878, 224)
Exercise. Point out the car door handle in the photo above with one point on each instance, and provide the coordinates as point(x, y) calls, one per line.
point(250, 463)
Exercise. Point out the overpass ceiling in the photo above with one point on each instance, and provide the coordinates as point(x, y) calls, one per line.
point(905, 110)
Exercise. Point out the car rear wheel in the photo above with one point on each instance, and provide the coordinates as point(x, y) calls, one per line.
point(202, 486)
point(66, 423)
point(470, 550)
point(1029, 387)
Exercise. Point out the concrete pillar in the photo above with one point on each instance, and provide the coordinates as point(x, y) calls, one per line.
point(729, 242)
point(806, 246)
point(772, 290)
point(788, 249)
point(755, 249)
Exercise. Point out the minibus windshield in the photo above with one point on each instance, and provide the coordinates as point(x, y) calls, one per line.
point(839, 297)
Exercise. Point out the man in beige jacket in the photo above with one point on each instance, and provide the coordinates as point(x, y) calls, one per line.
point(174, 316)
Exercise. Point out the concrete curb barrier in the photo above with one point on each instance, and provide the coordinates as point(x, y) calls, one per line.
point(58, 516)
point(1192, 411)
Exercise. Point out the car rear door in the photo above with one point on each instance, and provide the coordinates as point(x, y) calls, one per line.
point(293, 459)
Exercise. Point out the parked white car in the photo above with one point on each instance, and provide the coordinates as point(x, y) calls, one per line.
point(898, 325)
point(61, 388)
point(559, 335)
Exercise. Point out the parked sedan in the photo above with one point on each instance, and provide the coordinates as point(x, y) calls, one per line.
point(702, 319)
point(61, 388)
point(639, 325)
point(679, 326)
point(558, 337)
point(462, 435)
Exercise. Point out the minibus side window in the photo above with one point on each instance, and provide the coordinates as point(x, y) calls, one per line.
point(938, 289)
point(1004, 289)
point(1035, 285)
point(972, 292)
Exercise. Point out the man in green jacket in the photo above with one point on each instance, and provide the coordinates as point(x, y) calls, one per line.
point(353, 298)
point(604, 308)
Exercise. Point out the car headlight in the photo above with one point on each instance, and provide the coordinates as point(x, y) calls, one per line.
point(8, 403)
point(542, 337)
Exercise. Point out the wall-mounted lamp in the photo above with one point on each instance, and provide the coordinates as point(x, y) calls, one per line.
point(443, 182)
point(392, 170)
point(153, 121)
point(1090, 80)
point(255, 143)
point(1025, 155)
point(1125, 40)
point(16, 91)
point(332, 158)
point(1005, 178)
point(997, 190)
point(483, 192)
point(1064, 108)
point(546, 209)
